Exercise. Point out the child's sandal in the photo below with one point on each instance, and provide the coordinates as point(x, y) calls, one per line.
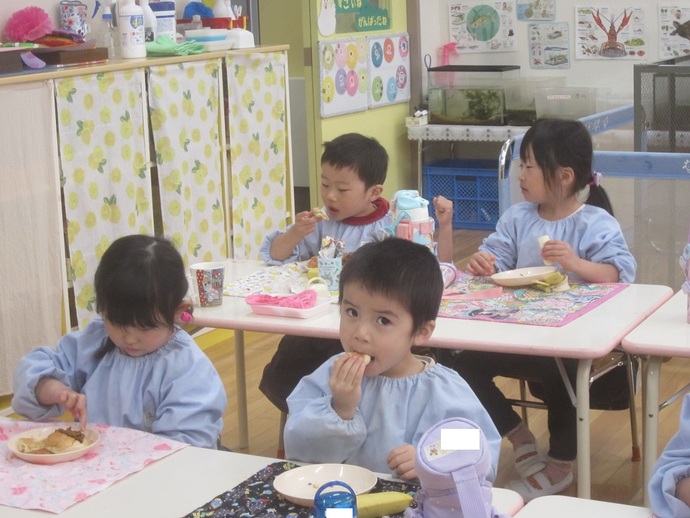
point(528, 460)
point(544, 487)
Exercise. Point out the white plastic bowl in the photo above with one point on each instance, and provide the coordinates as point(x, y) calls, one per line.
point(205, 35)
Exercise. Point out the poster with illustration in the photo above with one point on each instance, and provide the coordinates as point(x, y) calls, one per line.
point(481, 26)
point(536, 10)
point(344, 76)
point(549, 45)
point(389, 70)
point(674, 31)
point(606, 32)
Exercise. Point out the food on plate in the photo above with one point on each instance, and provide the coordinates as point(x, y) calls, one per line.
point(553, 282)
point(61, 440)
point(542, 241)
point(365, 357)
point(371, 505)
point(320, 213)
point(313, 262)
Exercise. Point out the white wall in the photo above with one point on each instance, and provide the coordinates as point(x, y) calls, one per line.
point(614, 74)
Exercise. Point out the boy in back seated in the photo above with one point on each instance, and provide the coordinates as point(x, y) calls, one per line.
point(372, 404)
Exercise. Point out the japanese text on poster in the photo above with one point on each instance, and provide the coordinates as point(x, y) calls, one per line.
point(605, 32)
point(478, 26)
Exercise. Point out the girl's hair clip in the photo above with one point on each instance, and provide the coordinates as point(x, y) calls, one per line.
point(596, 179)
point(186, 317)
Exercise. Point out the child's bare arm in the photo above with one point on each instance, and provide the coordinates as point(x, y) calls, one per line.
point(50, 391)
point(444, 214)
point(283, 245)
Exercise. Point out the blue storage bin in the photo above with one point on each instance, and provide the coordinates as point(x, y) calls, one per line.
point(472, 186)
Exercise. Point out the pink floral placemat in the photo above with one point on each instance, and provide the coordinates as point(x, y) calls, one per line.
point(524, 305)
point(54, 488)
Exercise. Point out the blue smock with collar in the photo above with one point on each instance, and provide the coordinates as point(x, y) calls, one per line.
point(392, 412)
point(174, 391)
point(592, 233)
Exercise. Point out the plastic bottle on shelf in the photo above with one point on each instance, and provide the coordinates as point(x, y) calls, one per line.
point(150, 21)
point(131, 29)
point(107, 37)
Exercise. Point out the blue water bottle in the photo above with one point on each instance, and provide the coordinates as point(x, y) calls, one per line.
point(335, 504)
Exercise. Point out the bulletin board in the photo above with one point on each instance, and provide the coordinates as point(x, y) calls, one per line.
point(389, 70)
point(365, 72)
point(343, 76)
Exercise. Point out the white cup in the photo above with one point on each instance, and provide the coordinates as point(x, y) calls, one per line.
point(206, 283)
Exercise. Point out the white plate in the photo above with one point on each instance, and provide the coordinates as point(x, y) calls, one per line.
point(39, 434)
point(322, 306)
point(522, 276)
point(299, 485)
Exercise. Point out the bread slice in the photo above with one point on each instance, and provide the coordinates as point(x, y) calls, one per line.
point(320, 213)
point(365, 357)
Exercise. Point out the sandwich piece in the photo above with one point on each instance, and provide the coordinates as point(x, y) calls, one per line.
point(365, 357)
point(61, 440)
point(320, 213)
point(542, 241)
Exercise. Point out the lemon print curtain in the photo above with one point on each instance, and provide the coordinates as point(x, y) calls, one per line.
point(259, 140)
point(104, 157)
point(188, 140)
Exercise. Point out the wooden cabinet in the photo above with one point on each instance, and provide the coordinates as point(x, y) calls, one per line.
point(195, 148)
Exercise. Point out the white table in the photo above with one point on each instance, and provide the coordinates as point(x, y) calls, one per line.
point(665, 334)
point(184, 481)
point(590, 336)
point(571, 507)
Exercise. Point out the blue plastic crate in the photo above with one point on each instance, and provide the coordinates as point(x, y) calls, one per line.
point(472, 186)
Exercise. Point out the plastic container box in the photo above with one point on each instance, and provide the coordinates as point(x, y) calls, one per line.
point(567, 102)
point(469, 94)
point(521, 106)
point(472, 186)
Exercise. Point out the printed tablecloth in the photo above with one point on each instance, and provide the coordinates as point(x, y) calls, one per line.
point(54, 488)
point(257, 497)
point(524, 305)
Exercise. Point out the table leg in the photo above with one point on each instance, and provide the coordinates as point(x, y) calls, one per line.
point(241, 388)
point(584, 489)
point(651, 370)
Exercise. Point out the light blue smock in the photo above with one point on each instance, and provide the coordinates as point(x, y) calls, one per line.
point(392, 412)
point(592, 233)
point(174, 391)
point(672, 465)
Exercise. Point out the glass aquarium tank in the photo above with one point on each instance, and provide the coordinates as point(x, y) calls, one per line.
point(469, 94)
point(521, 105)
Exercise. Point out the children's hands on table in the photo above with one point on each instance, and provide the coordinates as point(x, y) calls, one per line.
point(50, 391)
point(402, 460)
point(482, 263)
point(443, 208)
point(346, 385)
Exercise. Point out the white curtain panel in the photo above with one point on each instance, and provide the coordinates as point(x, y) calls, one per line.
point(259, 143)
point(104, 157)
point(190, 157)
point(33, 255)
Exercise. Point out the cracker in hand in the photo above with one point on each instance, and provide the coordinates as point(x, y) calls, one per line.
point(320, 213)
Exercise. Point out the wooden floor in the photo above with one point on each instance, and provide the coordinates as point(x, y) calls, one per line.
point(615, 477)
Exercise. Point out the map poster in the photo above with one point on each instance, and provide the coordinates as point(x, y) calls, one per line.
point(482, 26)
